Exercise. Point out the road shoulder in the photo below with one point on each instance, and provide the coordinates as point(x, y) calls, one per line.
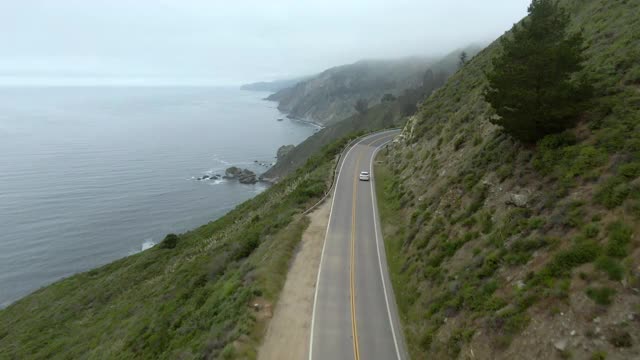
point(288, 332)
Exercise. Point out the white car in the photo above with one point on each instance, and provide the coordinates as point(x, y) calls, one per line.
point(364, 176)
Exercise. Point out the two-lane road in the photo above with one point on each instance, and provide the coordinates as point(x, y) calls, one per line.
point(354, 311)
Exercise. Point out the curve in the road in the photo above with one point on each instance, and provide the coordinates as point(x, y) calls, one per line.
point(354, 313)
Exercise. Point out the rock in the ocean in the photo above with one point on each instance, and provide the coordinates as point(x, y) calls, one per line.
point(232, 172)
point(247, 177)
point(244, 176)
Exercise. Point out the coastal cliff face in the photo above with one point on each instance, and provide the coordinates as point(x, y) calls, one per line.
point(331, 96)
point(389, 111)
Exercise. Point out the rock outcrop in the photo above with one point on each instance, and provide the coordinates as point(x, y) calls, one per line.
point(244, 176)
point(518, 200)
point(284, 151)
point(209, 177)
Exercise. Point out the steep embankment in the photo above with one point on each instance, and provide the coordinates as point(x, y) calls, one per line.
point(390, 112)
point(331, 95)
point(192, 296)
point(387, 114)
point(500, 251)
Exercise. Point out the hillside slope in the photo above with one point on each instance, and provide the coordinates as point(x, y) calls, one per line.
point(331, 95)
point(384, 115)
point(501, 251)
point(392, 112)
point(190, 297)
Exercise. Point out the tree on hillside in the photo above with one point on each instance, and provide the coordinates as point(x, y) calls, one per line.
point(388, 97)
point(170, 241)
point(431, 82)
point(361, 106)
point(533, 87)
point(463, 58)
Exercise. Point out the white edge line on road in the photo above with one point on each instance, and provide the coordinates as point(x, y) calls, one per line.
point(375, 226)
point(315, 297)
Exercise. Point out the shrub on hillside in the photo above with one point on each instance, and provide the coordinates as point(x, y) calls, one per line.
point(619, 239)
point(612, 267)
point(612, 192)
point(601, 295)
point(170, 241)
point(532, 86)
point(361, 106)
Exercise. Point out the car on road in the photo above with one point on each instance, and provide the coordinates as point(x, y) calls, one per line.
point(364, 176)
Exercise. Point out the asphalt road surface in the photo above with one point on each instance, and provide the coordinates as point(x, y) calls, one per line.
point(354, 311)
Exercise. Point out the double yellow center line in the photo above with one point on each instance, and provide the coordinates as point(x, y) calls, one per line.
point(354, 322)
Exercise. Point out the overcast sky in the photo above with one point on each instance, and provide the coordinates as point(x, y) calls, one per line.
point(233, 41)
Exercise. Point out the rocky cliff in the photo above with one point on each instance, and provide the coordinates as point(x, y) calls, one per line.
point(331, 95)
point(390, 111)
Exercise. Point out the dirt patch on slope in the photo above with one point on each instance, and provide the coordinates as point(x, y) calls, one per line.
point(287, 336)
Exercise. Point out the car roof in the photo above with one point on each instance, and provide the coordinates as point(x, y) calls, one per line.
point(364, 172)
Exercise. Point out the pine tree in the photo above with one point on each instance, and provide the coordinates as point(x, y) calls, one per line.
point(463, 59)
point(533, 87)
point(361, 106)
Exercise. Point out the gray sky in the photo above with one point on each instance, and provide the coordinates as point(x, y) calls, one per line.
point(231, 41)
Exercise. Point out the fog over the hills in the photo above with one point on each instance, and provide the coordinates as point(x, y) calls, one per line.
point(230, 42)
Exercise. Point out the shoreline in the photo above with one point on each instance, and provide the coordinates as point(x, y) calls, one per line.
point(168, 197)
point(306, 121)
point(291, 117)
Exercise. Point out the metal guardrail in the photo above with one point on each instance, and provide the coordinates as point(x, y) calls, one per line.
point(337, 166)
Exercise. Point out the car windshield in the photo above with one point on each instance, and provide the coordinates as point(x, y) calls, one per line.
point(364, 173)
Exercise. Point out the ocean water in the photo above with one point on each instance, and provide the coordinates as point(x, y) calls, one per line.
point(92, 174)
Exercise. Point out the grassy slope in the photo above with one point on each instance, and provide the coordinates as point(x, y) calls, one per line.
point(188, 302)
point(473, 272)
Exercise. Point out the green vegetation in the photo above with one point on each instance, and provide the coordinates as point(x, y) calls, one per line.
point(601, 295)
point(482, 232)
point(392, 110)
point(361, 106)
point(531, 86)
point(487, 232)
point(189, 297)
point(619, 238)
point(387, 114)
point(614, 270)
point(169, 242)
point(463, 58)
